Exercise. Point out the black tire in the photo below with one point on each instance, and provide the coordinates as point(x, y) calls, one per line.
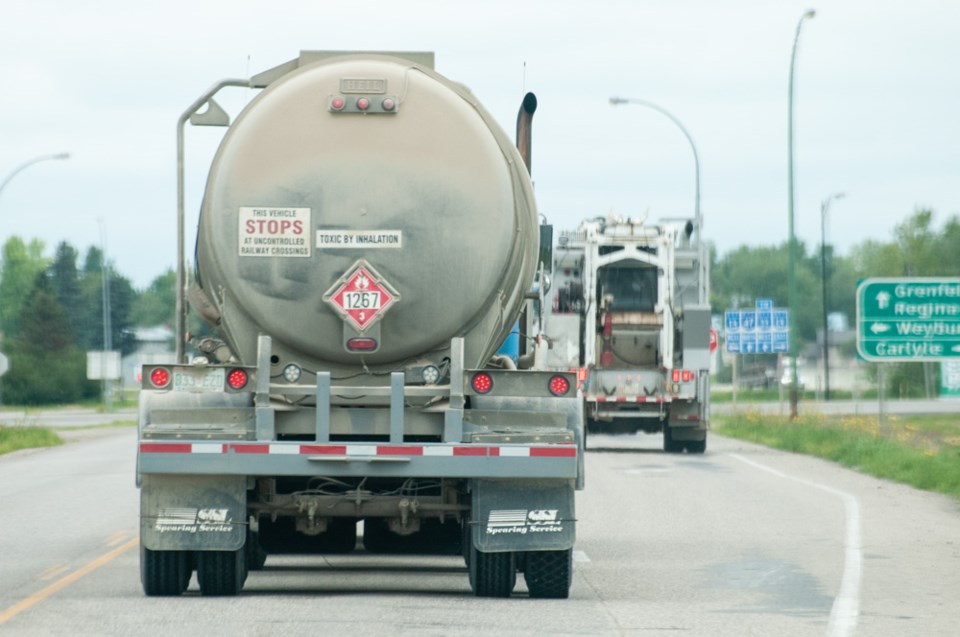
point(164, 573)
point(256, 556)
point(492, 574)
point(549, 574)
point(696, 446)
point(221, 573)
point(669, 444)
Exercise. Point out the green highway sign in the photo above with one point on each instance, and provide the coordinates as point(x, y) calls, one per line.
point(911, 319)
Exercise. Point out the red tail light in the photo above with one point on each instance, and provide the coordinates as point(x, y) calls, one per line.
point(481, 382)
point(160, 377)
point(237, 379)
point(676, 375)
point(687, 375)
point(559, 385)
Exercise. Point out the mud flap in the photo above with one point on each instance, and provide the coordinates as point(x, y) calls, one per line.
point(193, 513)
point(522, 515)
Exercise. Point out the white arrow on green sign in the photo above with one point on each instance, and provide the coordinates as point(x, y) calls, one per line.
point(908, 319)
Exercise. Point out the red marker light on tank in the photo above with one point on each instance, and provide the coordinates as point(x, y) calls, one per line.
point(362, 344)
point(363, 103)
point(237, 379)
point(338, 103)
point(388, 104)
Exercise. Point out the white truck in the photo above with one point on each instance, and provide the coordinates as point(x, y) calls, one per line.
point(368, 238)
point(629, 311)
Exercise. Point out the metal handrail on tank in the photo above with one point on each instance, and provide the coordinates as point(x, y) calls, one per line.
point(181, 305)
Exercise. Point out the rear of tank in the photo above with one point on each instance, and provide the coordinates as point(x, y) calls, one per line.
point(369, 166)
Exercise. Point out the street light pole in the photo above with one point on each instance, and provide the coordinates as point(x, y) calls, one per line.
point(614, 101)
point(26, 164)
point(824, 207)
point(792, 248)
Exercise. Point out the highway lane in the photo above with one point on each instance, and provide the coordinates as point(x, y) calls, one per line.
point(740, 541)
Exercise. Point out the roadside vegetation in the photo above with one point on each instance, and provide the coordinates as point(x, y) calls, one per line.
point(17, 438)
point(921, 451)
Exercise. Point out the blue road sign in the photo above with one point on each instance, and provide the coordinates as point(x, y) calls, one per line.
point(765, 329)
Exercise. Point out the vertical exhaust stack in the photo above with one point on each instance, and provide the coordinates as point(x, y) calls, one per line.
point(525, 128)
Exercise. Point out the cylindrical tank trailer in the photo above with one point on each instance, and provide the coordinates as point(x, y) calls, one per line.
point(364, 210)
point(367, 240)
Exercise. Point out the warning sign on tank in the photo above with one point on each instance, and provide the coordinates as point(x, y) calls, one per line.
point(361, 296)
point(274, 232)
point(365, 239)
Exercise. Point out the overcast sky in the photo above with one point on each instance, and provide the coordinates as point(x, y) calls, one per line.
point(877, 106)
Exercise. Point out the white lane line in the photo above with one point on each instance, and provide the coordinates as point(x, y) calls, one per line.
point(846, 605)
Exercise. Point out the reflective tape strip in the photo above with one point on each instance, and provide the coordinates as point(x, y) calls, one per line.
point(290, 450)
point(438, 451)
point(563, 450)
point(208, 447)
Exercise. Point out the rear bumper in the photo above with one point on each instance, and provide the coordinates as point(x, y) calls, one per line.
point(306, 459)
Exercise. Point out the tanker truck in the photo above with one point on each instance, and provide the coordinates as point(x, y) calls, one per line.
point(367, 239)
point(629, 310)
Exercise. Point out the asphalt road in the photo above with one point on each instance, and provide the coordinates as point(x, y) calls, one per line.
point(740, 541)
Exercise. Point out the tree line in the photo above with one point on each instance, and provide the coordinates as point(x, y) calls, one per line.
point(52, 313)
point(51, 308)
point(919, 247)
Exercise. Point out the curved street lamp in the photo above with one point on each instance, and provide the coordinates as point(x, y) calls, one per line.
point(792, 248)
point(824, 207)
point(36, 160)
point(614, 101)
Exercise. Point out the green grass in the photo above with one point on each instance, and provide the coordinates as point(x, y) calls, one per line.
point(921, 451)
point(16, 438)
point(773, 395)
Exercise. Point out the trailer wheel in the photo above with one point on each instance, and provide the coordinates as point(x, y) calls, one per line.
point(256, 556)
point(221, 573)
point(164, 573)
point(492, 574)
point(549, 574)
point(696, 446)
point(669, 444)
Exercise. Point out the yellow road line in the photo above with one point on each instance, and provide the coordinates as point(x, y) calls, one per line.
point(116, 538)
point(62, 583)
point(52, 572)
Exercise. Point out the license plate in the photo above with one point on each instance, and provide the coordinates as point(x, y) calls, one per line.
point(199, 379)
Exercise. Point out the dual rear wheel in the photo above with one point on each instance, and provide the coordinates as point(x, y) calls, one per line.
point(167, 573)
point(548, 573)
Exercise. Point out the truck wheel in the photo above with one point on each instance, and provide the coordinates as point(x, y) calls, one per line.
point(256, 556)
point(492, 574)
point(221, 572)
point(549, 574)
point(697, 446)
point(669, 444)
point(164, 573)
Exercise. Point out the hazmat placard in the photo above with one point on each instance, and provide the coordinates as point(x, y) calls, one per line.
point(274, 232)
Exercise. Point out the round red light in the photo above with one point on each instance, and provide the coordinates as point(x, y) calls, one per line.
point(559, 385)
point(363, 103)
point(338, 103)
point(160, 377)
point(481, 382)
point(237, 379)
